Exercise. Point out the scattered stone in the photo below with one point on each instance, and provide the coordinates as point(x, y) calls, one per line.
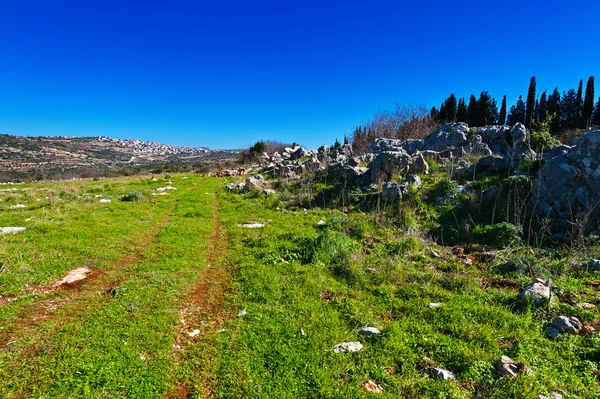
point(552, 332)
point(369, 331)
point(507, 367)
point(347, 347)
point(414, 181)
point(252, 225)
point(434, 305)
point(372, 270)
point(73, 276)
point(321, 223)
point(231, 186)
point(29, 219)
point(372, 387)
point(586, 306)
point(588, 330)
point(569, 325)
point(194, 333)
point(166, 188)
point(441, 374)
point(302, 332)
point(18, 206)
point(255, 183)
point(592, 265)
point(268, 191)
point(11, 230)
point(242, 313)
point(538, 292)
point(553, 395)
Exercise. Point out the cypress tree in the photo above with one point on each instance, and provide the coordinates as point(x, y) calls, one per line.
point(472, 111)
point(434, 114)
point(579, 103)
point(451, 108)
point(543, 108)
point(461, 111)
point(569, 110)
point(530, 103)
point(596, 118)
point(502, 117)
point(553, 108)
point(588, 104)
point(487, 110)
point(517, 112)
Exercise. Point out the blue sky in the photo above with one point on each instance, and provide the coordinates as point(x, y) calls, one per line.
point(224, 74)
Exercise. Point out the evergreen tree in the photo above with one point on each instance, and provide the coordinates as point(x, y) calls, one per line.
point(517, 112)
point(502, 117)
point(553, 108)
point(569, 110)
point(346, 141)
point(434, 114)
point(588, 104)
point(542, 109)
point(579, 101)
point(596, 117)
point(472, 111)
point(448, 109)
point(530, 103)
point(536, 111)
point(487, 110)
point(461, 110)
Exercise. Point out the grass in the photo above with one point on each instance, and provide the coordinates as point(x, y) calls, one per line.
point(305, 287)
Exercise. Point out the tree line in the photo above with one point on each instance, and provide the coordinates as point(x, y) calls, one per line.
point(567, 111)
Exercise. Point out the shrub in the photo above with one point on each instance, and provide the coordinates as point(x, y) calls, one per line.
point(497, 235)
point(132, 196)
point(540, 138)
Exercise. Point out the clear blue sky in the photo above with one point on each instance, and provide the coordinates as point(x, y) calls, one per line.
point(224, 74)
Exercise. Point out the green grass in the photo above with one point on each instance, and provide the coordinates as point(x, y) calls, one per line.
point(304, 287)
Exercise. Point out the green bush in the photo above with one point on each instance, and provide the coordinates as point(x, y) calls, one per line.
point(331, 248)
point(497, 235)
point(132, 196)
point(540, 138)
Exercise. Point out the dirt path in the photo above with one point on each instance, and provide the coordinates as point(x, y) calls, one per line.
point(202, 315)
point(35, 313)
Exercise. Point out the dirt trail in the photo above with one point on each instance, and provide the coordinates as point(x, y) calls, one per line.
point(204, 312)
point(43, 309)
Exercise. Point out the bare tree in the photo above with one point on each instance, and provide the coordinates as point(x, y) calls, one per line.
point(403, 122)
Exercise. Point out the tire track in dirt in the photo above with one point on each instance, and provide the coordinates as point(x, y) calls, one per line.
point(203, 314)
point(39, 311)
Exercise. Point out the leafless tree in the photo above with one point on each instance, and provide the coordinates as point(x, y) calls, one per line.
point(408, 121)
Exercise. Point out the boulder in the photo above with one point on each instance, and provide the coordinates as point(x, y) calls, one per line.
point(385, 145)
point(448, 136)
point(255, 183)
point(569, 325)
point(538, 292)
point(391, 192)
point(591, 265)
point(299, 152)
point(552, 332)
point(389, 163)
point(418, 165)
point(413, 181)
point(517, 134)
point(508, 368)
point(441, 374)
point(412, 146)
point(268, 192)
point(569, 184)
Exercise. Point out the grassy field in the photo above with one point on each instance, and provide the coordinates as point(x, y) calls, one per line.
point(183, 302)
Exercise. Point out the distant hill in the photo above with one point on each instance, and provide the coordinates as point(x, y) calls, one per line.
point(26, 158)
